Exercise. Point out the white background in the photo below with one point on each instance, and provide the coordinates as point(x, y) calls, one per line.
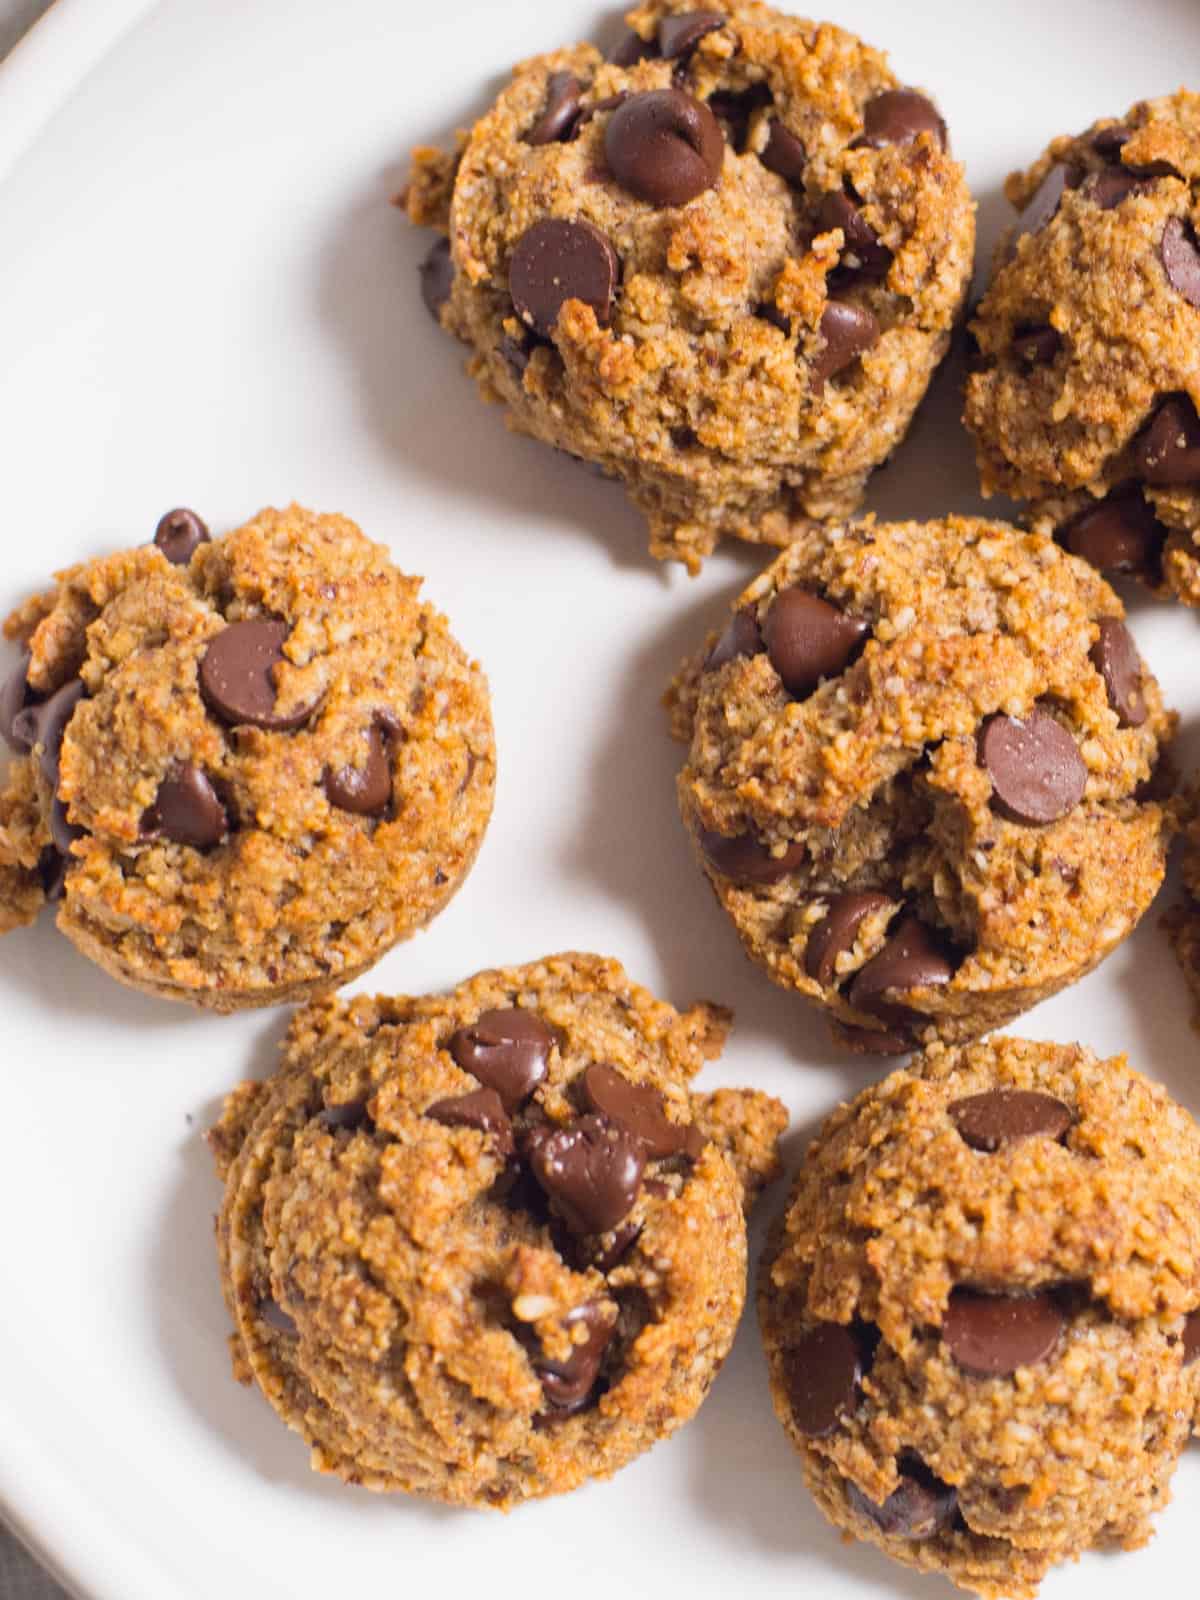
point(206, 298)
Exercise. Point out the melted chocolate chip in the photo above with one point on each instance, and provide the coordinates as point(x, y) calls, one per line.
point(784, 154)
point(179, 534)
point(1191, 1339)
point(1110, 186)
point(481, 1110)
point(1168, 452)
point(664, 147)
point(848, 331)
point(591, 1170)
point(875, 1041)
point(568, 1384)
point(505, 1049)
point(863, 256)
point(1037, 772)
point(1109, 142)
point(1121, 534)
point(1181, 259)
point(367, 790)
point(911, 959)
point(640, 1110)
point(991, 1335)
point(632, 49)
point(746, 859)
point(740, 638)
point(1044, 202)
point(560, 117)
point(41, 726)
point(14, 697)
point(186, 809)
point(556, 261)
point(1004, 1116)
point(809, 639)
point(52, 870)
point(623, 1238)
point(736, 110)
point(437, 278)
point(1115, 657)
point(919, 1508)
point(821, 1373)
point(237, 676)
point(899, 116)
point(348, 1117)
point(1037, 346)
point(837, 931)
point(679, 35)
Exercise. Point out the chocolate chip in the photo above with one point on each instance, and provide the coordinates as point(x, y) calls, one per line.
point(1168, 452)
point(1181, 259)
point(516, 355)
point(1044, 202)
point(186, 809)
point(911, 959)
point(567, 1384)
point(44, 724)
point(591, 1169)
point(556, 261)
point(821, 1373)
point(273, 1314)
point(899, 116)
point(237, 675)
point(875, 1041)
point(350, 1116)
point(1004, 1116)
point(506, 1049)
point(747, 860)
point(740, 638)
point(365, 790)
point(1121, 534)
point(632, 49)
point(1109, 142)
point(784, 154)
point(1036, 770)
point(808, 639)
point(62, 832)
point(558, 120)
point(737, 109)
point(678, 36)
point(991, 1335)
point(862, 254)
point(52, 870)
point(1115, 657)
point(919, 1508)
point(622, 1239)
point(437, 278)
point(848, 331)
point(1110, 186)
point(837, 931)
point(639, 1109)
point(14, 696)
point(482, 1110)
point(1036, 345)
point(1191, 1339)
point(664, 147)
point(770, 312)
point(179, 534)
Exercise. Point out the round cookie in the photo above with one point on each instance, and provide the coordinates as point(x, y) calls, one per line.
point(981, 1310)
point(1087, 382)
point(483, 1246)
point(919, 776)
point(722, 265)
point(246, 766)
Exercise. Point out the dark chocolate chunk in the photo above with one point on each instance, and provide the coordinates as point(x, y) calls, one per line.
point(1003, 1116)
point(437, 278)
point(821, 1373)
point(837, 931)
point(1181, 259)
point(899, 116)
point(632, 49)
point(1191, 1339)
point(1115, 657)
point(556, 261)
point(664, 147)
point(1168, 451)
point(237, 676)
point(991, 1335)
point(740, 638)
point(784, 153)
point(1037, 345)
point(639, 1109)
point(911, 959)
point(1110, 186)
point(679, 35)
point(848, 331)
point(179, 534)
point(568, 1384)
point(919, 1508)
point(560, 116)
point(809, 639)
point(15, 695)
point(1120, 534)
point(506, 1049)
point(591, 1170)
point(1044, 202)
point(482, 1110)
point(42, 726)
point(186, 809)
point(365, 790)
point(863, 256)
point(746, 859)
point(1037, 772)
point(1109, 142)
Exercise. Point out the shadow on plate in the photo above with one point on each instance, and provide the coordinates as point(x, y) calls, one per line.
point(42, 962)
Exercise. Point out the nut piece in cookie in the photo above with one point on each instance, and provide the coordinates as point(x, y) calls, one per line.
point(925, 775)
point(721, 265)
point(981, 1310)
point(246, 766)
point(486, 1245)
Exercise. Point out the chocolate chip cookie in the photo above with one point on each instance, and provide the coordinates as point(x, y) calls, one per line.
point(1084, 398)
point(722, 265)
point(483, 1246)
point(245, 767)
point(981, 1311)
point(920, 776)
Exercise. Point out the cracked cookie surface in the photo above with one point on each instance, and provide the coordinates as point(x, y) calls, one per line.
point(246, 766)
point(485, 1245)
point(722, 265)
point(981, 1310)
point(922, 775)
point(1085, 394)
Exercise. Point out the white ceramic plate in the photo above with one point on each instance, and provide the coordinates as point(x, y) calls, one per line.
point(206, 298)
